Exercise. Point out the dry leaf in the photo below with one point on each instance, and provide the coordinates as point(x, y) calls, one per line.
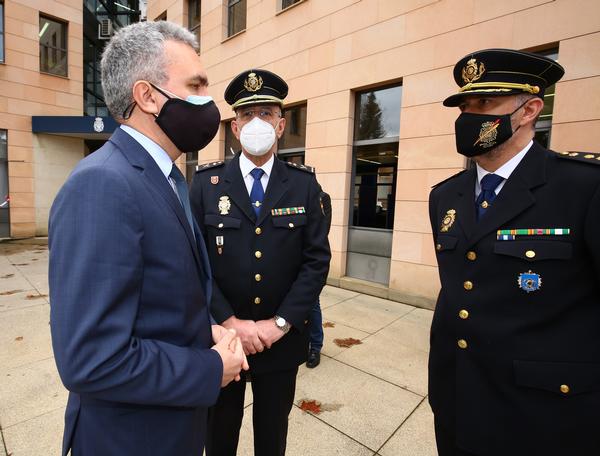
point(345, 343)
point(328, 324)
point(37, 296)
point(10, 292)
point(7, 276)
point(19, 338)
point(311, 406)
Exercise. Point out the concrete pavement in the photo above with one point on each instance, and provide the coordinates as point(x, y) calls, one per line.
point(368, 394)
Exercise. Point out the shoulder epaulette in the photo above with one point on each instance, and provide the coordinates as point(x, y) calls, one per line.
point(308, 169)
point(208, 165)
point(586, 157)
point(449, 178)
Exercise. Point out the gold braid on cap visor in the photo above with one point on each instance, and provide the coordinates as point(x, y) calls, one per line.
point(257, 98)
point(500, 87)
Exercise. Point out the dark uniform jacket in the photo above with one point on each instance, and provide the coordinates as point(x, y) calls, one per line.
point(273, 265)
point(527, 378)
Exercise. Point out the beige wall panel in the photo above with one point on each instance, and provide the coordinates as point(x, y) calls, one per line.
point(431, 119)
point(561, 19)
point(580, 56)
point(431, 152)
point(337, 266)
point(484, 11)
point(415, 280)
point(392, 8)
point(336, 184)
point(355, 17)
point(21, 215)
point(20, 138)
point(157, 7)
point(55, 158)
point(339, 213)
point(20, 44)
point(20, 169)
point(20, 184)
point(378, 37)
point(583, 136)
point(19, 153)
point(413, 248)
point(427, 88)
point(21, 12)
point(329, 159)
point(415, 184)
point(21, 199)
point(412, 216)
point(574, 100)
point(338, 238)
point(14, 122)
point(68, 100)
point(331, 106)
point(25, 30)
point(438, 18)
point(58, 10)
point(329, 133)
point(21, 230)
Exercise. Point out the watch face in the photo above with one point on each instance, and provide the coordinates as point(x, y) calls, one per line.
point(280, 321)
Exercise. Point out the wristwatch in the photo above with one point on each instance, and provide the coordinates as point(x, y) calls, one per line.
point(282, 324)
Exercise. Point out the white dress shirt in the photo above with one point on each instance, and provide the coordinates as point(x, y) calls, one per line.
point(504, 171)
point(246, 166)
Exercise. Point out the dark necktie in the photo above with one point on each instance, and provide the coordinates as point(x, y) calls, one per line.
point(257, 194)
point(182, 193)
point(487, 195)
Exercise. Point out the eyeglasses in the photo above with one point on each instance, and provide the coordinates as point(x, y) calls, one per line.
point(266, 114)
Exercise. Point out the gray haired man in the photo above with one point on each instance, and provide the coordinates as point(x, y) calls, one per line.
point(129, 276)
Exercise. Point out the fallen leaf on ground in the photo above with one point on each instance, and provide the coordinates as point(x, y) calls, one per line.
point(311, 406)
point(21, 264)
point(18, 339)
point(36, 296)
point(345, 343)
point(10, 292)
point(328, 324)
point(6, 276)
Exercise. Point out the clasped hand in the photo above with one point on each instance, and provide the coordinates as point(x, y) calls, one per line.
point(254, 335)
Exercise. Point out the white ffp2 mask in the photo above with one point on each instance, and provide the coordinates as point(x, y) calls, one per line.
point(257, 137)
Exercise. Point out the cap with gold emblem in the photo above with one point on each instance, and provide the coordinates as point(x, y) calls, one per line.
point(253, 87)
point(503, 72)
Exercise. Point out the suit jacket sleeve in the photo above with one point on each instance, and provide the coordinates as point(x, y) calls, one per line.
point(316, 256)
point(96, 237)
point(220, 309)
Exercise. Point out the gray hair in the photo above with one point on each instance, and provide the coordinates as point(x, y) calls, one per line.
point(136, 52)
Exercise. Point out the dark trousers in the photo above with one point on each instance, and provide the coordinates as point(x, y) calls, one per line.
point(315, 327)
point(446, 441)
point(273, 399)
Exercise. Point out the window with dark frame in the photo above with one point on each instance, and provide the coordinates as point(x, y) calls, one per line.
point(194, 18)
point(53, 46)
point(191, 160)
point(1, 31)
point(236, 16)
point(376, 132)
point(287, 3)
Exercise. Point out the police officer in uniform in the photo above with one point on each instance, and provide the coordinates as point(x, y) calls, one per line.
point(514, 366)
point(265, 229)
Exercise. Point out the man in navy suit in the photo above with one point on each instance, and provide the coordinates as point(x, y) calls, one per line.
point(129, 275)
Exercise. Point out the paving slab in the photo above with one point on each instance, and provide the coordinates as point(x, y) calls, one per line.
point(2, 450)
point(307, 435)
point(416, 437)
point(331, 296)
point(366, 313)
point(351, 398)
point(25, 336)
point(21, 299)
point(384, 357)
point(338, 331)
point(30, 391)
point(39, 436)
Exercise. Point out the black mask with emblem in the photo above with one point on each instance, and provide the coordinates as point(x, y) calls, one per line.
point(477, 134)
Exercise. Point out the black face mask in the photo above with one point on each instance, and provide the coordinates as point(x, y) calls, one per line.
point(189, 126)
point(477, 134)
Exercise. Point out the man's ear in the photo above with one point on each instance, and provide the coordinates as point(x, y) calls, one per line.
point(531, 111)
point(145, 97)
point(235, 128)
point(280, 128)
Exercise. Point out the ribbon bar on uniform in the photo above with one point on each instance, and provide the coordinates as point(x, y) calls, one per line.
point(510, 235)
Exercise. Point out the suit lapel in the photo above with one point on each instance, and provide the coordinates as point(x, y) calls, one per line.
point(275, 190)
point(156, 180)
point(516, 195)
point(236, 188)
